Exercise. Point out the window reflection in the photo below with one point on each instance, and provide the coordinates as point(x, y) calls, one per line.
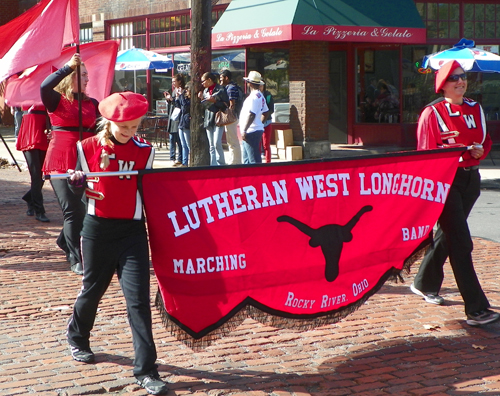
point(272, 64)
point(378, 77)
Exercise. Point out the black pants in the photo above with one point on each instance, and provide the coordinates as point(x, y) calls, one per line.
point(129, 257)
point(453, 240)
point(34, 197)
point(73, 210)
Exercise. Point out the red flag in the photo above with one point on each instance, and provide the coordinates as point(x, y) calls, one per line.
point(297, 244)
point(38, 35)
point(99, 59)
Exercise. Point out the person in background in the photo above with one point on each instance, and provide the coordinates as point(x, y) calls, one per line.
point(214, 97)
point(183, 101)
point(178, 87)
point(59, 93)
point(114, 237)
point(267, 121)
point(17, 112)
point(33, 142)
point(455, 121)
point(251, 126)
point(233, 92)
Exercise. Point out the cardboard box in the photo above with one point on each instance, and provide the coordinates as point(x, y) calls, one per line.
point(293, 153)
point(282, 154)
point(284, 138)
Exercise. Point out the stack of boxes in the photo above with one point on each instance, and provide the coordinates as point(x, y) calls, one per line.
point(284, 145)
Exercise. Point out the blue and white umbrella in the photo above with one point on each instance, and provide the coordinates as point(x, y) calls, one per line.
point(139, 59)
point(471, 59)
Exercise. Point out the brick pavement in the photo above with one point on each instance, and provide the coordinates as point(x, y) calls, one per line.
point(393, 345)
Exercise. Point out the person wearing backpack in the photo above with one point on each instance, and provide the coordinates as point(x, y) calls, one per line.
point(235, 103)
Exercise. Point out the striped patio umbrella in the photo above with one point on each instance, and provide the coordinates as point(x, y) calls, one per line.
point(471, 59)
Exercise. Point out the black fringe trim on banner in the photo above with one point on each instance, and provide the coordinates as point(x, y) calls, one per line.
point(414, 257)
point(279, 319)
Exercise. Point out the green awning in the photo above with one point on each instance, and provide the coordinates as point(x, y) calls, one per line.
point(258, 21)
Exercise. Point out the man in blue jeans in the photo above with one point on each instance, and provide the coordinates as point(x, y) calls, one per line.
point(251, 124)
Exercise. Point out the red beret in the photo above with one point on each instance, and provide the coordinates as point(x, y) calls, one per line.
point(443, 73)
point(123, 106)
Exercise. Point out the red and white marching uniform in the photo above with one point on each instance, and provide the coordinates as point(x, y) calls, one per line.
point(32, 132)
point(443, 124)
point(115, 197)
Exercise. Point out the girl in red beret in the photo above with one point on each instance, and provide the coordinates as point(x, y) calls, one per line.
point(455, 121)
point(114, 237)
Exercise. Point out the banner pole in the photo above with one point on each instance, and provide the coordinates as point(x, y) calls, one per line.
point(93, 174)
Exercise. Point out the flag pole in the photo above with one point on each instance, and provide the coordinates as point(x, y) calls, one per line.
point(79, 83)
point(10, 152)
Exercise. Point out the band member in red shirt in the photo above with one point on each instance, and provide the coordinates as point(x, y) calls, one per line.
point(455, 121)
point(33, 142)
point(60, 95)
point(114, 237)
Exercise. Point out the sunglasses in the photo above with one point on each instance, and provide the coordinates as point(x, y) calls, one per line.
point(455, 77)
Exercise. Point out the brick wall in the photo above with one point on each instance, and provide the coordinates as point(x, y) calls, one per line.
point(9, 9)
point(116, 9)
point(308, 74)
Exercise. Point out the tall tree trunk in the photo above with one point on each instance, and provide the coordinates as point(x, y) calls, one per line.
point(201, 58)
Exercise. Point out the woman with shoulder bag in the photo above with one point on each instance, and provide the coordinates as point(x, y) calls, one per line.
point(215, 98)
point(183, 102)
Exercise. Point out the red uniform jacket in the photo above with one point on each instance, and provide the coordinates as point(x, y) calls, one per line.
point(444, 124)
point(115, 197)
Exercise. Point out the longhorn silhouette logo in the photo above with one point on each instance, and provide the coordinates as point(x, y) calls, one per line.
point(330, 238)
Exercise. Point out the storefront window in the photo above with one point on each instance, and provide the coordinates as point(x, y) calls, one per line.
point(442, 20)
point(128, 80)
point(378, 82)
point(234, 61)
point(272, 64)
point(170, 31)
point(131, 34)
point(182, 63)
point(86, 33)
point(479, 20)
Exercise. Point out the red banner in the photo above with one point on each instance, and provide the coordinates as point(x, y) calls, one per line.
point(302, 241)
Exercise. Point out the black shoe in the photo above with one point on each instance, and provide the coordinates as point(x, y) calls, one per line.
point(30, 212)
point(153, 384)
point(41, 217)
point(82, 355)
point(482, 317)
point(77, 268)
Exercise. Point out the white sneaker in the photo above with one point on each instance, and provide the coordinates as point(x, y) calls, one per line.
point(432, 298)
